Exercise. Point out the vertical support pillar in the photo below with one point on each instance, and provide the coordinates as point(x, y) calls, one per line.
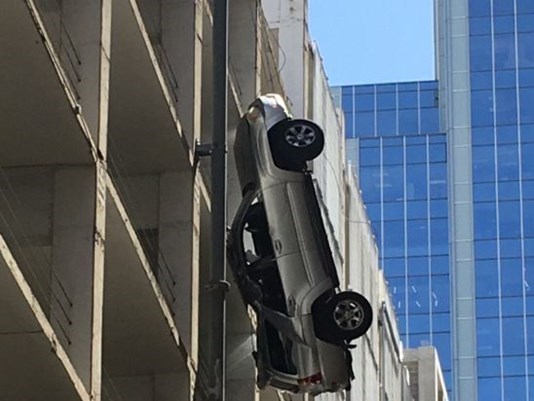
point(182, 40)
point(104, 49)
point(77, 257)
point(289, 18)
point(182, 43)
point(179, 221)
point(98, 282)
point(428, 384)
point(105, 66)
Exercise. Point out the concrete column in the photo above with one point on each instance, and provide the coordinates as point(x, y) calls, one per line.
point(182, 42)
point(427, 374)
point(179, 237)
point(289, 17)
point(203, 378)
point(105, 65)
point(98, 282)
point(77, 259)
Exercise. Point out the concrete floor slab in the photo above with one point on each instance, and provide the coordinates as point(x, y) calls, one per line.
point(38, 120)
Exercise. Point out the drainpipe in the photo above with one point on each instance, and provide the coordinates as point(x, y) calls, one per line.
point(218, 201)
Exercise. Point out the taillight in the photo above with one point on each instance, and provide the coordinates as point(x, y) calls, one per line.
point(316, 378)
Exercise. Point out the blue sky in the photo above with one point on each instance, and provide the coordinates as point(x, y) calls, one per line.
point(373, 41)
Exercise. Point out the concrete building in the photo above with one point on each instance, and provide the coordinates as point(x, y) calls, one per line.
point(394, 143)
point(485, 71)
point(378, 358)
point(426, 378)
point(105, 210)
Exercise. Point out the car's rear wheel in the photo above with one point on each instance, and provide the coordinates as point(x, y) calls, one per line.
point(346, 316)
point(295, 142)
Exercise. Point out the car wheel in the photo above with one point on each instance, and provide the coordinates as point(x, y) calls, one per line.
point(346, 316)
point(296, 141)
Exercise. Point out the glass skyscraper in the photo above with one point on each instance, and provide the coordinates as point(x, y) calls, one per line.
point(485, 102)
point(394, 142)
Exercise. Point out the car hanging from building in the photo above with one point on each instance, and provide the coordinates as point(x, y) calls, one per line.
point(280, 257)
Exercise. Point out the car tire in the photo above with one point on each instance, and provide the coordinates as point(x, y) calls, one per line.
point(294, 142)
point(345, 317)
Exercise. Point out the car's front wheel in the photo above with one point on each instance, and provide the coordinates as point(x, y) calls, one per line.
point(295, 142)
point(346, 316)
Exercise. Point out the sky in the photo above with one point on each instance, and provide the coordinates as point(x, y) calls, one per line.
point(374, 41)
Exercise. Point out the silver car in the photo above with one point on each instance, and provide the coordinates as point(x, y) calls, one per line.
point(280, 256)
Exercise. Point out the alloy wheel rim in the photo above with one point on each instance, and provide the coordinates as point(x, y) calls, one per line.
point(348, 315)
point(300, 135)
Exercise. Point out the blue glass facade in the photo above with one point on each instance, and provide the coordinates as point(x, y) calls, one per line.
point(394, 141)
point(476, 303)
point(501, 42)
point(391, 109)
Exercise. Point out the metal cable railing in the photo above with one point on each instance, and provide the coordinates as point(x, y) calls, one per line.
point(151, 12)
point(167, 69)
point(34, 262)
point(149, 241)
point(62, 42)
